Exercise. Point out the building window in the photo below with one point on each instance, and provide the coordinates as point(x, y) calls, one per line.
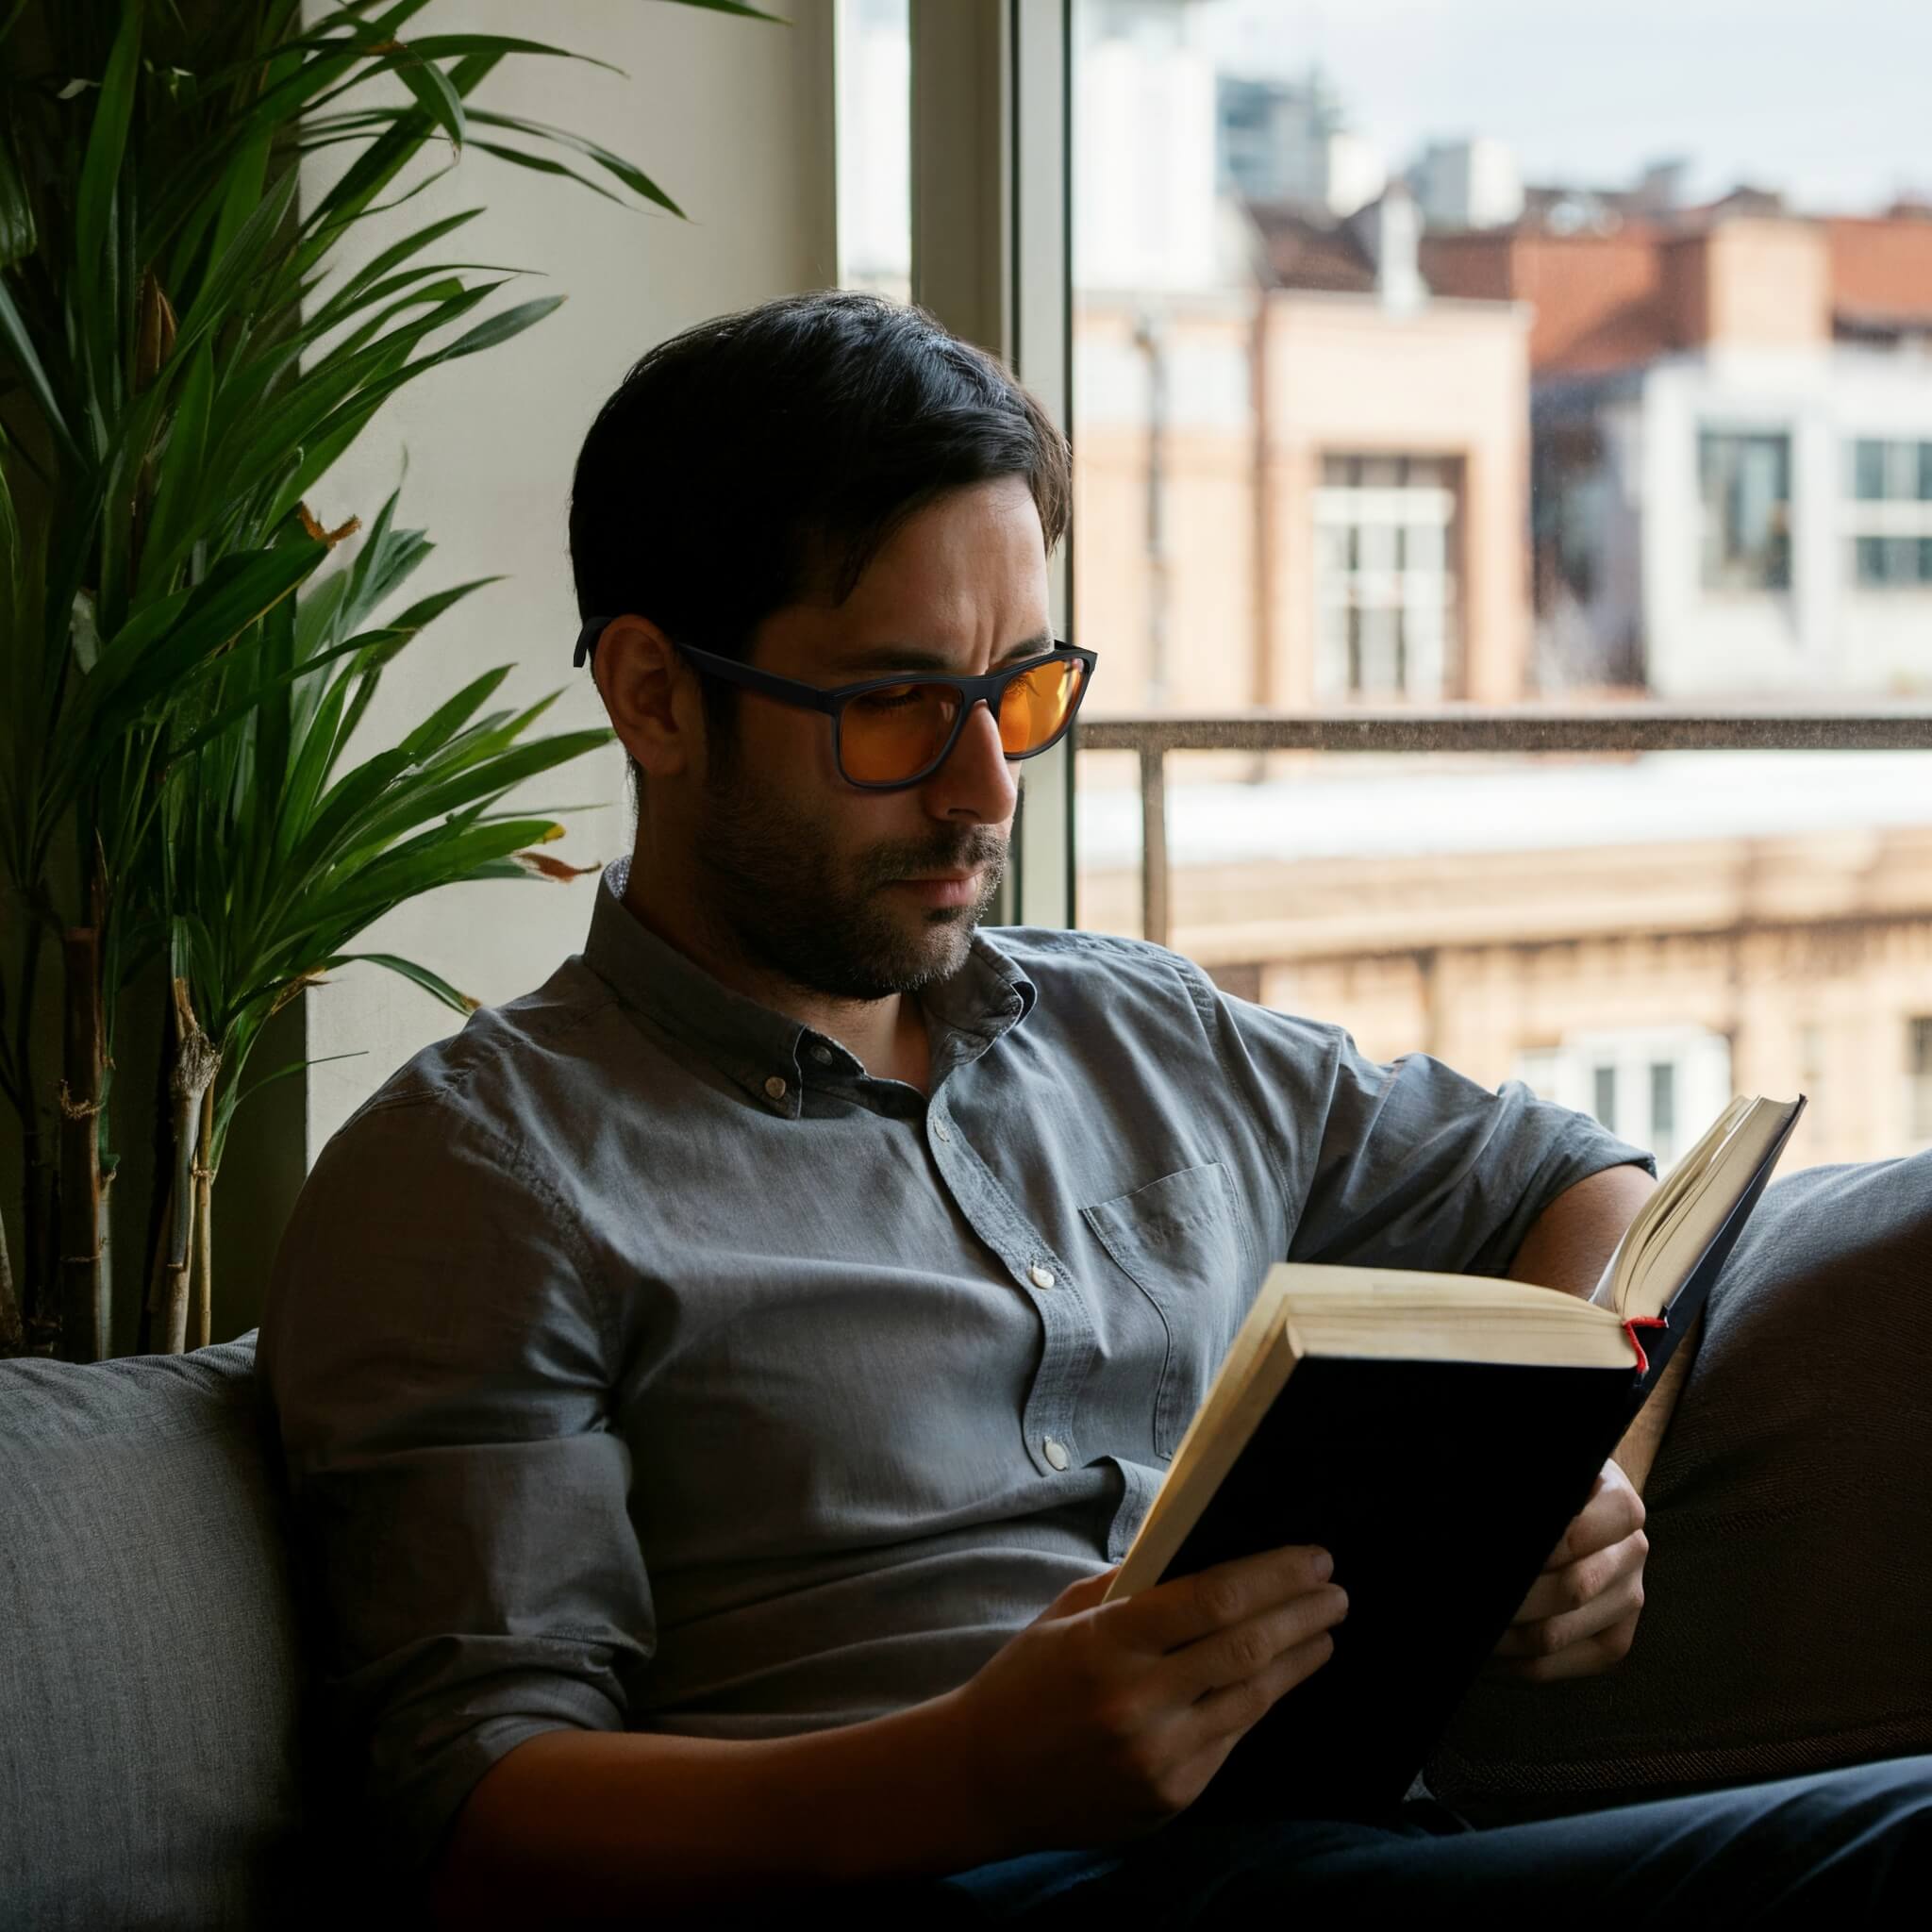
point(1664, 1100)
point(1889, 514)
point(1603, 1101)
point(1657, 1087)
point(1746, 485)
point(1919, 1077)
point(1385, 579)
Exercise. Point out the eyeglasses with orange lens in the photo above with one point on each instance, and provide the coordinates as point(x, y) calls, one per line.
point(892, 732)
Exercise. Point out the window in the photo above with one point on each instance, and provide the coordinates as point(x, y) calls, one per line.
point(1747, 506)
point(1919, 1077)
point(1443, 475)
point(1656, 1088)
point(1889, 514)
point(1663, 1102)
point(1604, 1095)
point(1384, 583)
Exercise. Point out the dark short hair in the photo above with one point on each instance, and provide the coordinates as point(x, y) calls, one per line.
point(763, 458)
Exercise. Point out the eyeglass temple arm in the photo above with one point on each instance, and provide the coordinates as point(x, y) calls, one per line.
point(789, 688)
point(792, 689)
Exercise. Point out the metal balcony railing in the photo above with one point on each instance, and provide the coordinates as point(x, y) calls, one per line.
point(1633, 728)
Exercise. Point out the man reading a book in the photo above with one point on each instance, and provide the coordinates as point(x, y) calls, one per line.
point(717, 1386)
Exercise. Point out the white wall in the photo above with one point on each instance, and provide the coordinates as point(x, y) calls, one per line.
point(733, 119)
point(1826, 634)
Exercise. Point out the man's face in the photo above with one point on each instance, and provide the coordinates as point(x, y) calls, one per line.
point(801, 868)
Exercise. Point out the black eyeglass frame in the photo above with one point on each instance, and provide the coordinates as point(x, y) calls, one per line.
point(811, 697)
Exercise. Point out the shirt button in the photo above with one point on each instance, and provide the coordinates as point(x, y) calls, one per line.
point(1056, 1453)
point(822, 1055)
point(1042, 1277)
point(940, 1131)
point(776, 1088)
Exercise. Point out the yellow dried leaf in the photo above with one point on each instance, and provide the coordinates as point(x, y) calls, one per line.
point(540, 865)
point(318, 535)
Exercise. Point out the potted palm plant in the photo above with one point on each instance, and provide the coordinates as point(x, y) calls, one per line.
point(185, 652)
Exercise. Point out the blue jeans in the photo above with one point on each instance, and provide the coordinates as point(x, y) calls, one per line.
point(1848, 1846)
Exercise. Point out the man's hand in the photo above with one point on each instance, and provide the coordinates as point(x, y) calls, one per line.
point(1581, 1613)
point(1098, 1723)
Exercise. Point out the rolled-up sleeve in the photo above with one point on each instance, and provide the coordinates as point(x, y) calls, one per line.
point(1403, 1165)
point(439, 1358)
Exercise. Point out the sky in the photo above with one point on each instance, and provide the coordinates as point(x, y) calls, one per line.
point(1826, 100)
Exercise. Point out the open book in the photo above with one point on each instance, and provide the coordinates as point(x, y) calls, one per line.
point(1435, 1433)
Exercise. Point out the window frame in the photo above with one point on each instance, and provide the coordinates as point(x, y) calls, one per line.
point(1895, 522)
point(993, 259)
point(1725, 571)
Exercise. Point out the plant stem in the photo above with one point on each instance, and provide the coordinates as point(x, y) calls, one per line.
point(196, 1064)
point(12, 1335)
point(82, 1340)
point(204, 1224)
point(161, 1195)
point(32, 1291)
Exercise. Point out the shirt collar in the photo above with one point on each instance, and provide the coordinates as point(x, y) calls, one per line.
point(769, 1054)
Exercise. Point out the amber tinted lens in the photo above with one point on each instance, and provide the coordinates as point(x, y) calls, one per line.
point(895, 732)
point(1037, 702)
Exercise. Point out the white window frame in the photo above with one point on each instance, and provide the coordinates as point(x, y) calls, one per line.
point(1899, 515)
point(1699, 1058)
point(993, 259)
point(1419, 598)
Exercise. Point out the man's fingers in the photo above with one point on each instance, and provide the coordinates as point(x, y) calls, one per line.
point(1168, 1615)
point(1237, 1656)
point(1581, 1613)
point(1614, 1511)
point(1601, 1652)
point(1558, 1591)
point(1549, 1636)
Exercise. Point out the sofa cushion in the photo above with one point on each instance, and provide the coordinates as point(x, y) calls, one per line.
point(1789, 1519)
point(149, 1663)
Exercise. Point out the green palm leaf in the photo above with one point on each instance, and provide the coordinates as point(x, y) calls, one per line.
point(184, 666)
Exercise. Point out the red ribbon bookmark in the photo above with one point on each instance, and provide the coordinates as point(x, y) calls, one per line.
point(1630, 1328)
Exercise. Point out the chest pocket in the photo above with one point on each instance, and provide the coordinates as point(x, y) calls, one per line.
point(1180, 1240)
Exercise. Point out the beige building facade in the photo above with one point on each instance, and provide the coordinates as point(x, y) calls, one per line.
point(1240, 462)
point(1805, 959)
point(1259, 474)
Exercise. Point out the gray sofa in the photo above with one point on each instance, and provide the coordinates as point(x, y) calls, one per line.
point(161, 1764)
point(156, 1767)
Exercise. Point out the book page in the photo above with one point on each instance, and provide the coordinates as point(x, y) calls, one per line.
point(1667, 1206)
point(1673, 1248)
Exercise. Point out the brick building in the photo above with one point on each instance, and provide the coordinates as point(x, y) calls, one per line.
point(1732, 447)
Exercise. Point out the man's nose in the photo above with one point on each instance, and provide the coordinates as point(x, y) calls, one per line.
point(976, 775)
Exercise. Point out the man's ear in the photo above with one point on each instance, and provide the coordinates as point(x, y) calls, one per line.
point(652, 695)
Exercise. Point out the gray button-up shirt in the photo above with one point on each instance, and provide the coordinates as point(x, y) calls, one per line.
point(643, 1362)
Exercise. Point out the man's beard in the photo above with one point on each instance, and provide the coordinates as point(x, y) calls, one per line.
point(777, 893)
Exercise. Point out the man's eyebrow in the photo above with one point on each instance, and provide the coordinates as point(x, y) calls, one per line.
point(910, 658)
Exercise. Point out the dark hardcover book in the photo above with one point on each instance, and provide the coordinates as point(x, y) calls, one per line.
point(1435, 1434)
